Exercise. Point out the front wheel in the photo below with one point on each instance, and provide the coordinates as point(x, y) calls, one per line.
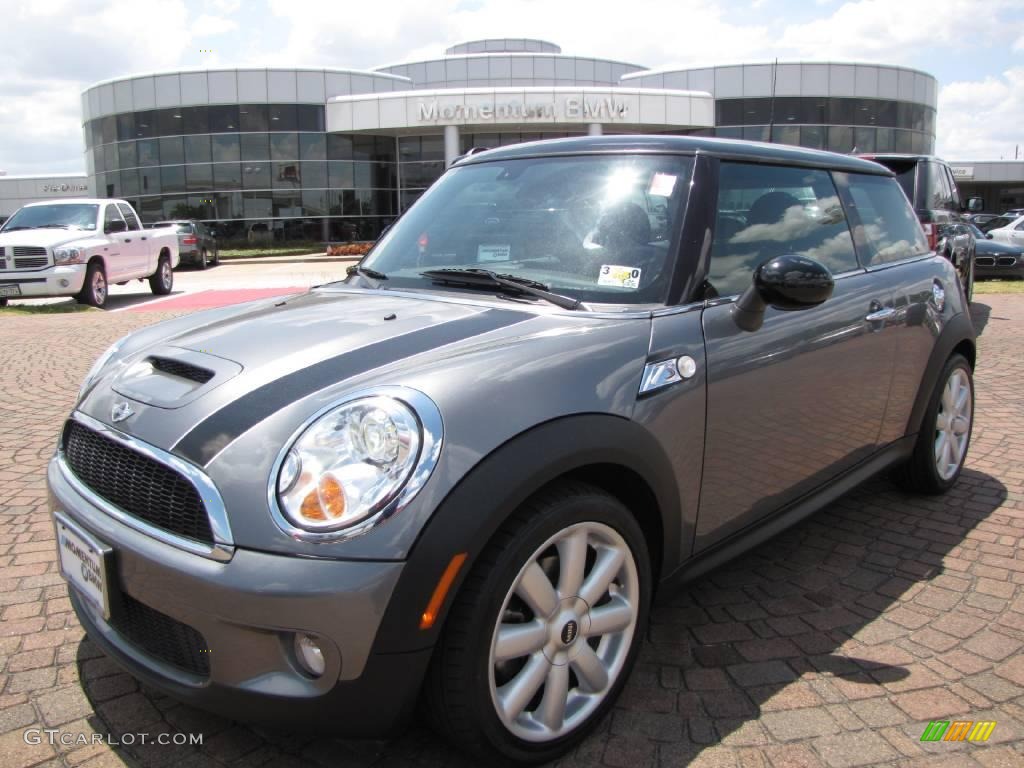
point(162, 281)
point(94, 289)
point(945, 435)
point(544, 632)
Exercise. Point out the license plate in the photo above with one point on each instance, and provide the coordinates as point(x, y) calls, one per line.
point(83, 562)
point(10, 290)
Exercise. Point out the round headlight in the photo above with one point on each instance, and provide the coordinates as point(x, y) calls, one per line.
point(349, 464)
point(98, 366)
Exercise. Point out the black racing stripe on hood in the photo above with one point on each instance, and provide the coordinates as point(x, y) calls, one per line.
point(210, 436)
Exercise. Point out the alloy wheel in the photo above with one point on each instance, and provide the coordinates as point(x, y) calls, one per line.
point(99, 287)
point(564, 632)
point(953, 424)
point(165, 274)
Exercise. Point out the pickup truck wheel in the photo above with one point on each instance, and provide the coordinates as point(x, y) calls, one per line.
point(94, 289)
point(945, 435)
point(162, 281)
point(543, 633)
point(203, 264)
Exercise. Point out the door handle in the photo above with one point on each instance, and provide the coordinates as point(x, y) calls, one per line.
point(127, 239)
point(142, 238)
point(879, 315)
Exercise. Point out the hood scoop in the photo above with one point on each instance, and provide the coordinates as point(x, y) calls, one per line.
point(173, 377)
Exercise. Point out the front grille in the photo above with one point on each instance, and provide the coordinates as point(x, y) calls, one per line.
point(1007, 261)
point(34, 262)
point(137, 484)
point(28, 250)
point(181, 369)
point(984, 261)
point(161, 636)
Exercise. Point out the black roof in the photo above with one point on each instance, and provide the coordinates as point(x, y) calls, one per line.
point(755, 151)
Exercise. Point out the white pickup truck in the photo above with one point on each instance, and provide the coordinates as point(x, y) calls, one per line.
point(76, 247)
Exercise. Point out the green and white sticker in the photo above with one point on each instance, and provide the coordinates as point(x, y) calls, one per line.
point(618, 276)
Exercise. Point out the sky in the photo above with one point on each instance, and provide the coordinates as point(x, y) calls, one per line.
point(53, 49)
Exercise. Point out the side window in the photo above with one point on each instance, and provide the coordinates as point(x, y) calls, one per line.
point(129, 216)
point(766, 211)
point(1020, 227)
point(939, 194)
point(889, 229)
point(110, 215)
point(954, 193)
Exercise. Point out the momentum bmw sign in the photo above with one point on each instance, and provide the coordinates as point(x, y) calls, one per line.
point(573, 108)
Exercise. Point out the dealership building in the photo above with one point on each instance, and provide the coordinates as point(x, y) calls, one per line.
point(337, 154)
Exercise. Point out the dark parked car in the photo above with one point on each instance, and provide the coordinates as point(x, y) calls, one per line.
point(196, 242)
point(576, 372)
point(929, 185)
point(993, 259)
point(981, 219)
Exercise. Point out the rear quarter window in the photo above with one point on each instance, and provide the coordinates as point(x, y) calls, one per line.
point(887, 229)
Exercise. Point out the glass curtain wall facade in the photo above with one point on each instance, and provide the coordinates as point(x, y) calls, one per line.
point(260, 171)
point(836, 124)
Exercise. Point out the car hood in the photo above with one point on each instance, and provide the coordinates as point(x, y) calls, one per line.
point(266, 355)
point(991, 247)
point(46, 238)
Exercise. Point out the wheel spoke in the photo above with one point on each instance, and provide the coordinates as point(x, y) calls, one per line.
point(536, 589)
point(572, 561)
point(950, 456)
point(517, 640)
point(940, 446)
point(590, 669)
point(516, 694)
point(551, 711)
point(606, 567)
point(962, 397)
point(614, 617)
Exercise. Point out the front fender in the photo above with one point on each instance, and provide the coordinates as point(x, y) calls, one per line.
point(474, 510)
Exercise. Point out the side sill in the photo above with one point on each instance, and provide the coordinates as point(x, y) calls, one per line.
point(762, 530)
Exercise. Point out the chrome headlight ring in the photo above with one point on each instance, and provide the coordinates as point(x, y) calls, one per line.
point(329, 423)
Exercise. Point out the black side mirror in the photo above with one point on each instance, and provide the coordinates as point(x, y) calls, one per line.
point(113, 227)
point(975, 204)
point(988, 235)
point(789, 283)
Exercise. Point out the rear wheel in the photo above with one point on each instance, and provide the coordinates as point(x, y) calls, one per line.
point(544, 632)
point(3, 301)
point(945, 435)
point(94, 289)
point(202, 263)
point(162, 281)
point(216, 257)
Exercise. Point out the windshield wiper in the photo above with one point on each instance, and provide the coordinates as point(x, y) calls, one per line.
point(52, 226)
point(484, 278)
point(356, 269)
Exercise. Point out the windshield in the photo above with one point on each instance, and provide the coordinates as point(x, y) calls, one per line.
point(180, 226)
point(597, 228)
point(74, 215)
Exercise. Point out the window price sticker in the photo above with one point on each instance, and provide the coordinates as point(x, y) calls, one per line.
point(662, 185)
point(620, 277)
point(493, 252)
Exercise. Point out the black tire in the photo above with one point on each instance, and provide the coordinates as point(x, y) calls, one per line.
point(95, 288)
point(203, 263)
point(3, 301)
point(161, 282)
point(920, 473)
point(216, 257)
point(458, 699)
point(969, 283)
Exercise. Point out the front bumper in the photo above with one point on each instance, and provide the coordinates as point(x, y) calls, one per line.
point(54, 281)
point(246, 611)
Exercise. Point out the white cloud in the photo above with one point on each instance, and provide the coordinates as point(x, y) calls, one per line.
point(210, 26)
point(882, 30)
point(981, 120)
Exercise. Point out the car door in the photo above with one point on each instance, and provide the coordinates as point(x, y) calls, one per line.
point(135, 243)
point(118, 255)
point(893, 248)
point(802, 399)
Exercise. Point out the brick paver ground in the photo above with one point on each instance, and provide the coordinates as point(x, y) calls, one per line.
point(833, 644)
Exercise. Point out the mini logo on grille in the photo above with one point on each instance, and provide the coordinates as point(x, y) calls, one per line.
point(120, 412)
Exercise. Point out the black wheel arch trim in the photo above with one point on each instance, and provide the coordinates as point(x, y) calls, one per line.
point(487, 496)
point(958, 330)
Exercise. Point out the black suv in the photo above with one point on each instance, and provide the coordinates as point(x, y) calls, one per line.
point(929, 184)
point(196, 241)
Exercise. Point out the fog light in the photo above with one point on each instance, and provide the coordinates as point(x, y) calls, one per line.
point(64, 283)
point(309, 654)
